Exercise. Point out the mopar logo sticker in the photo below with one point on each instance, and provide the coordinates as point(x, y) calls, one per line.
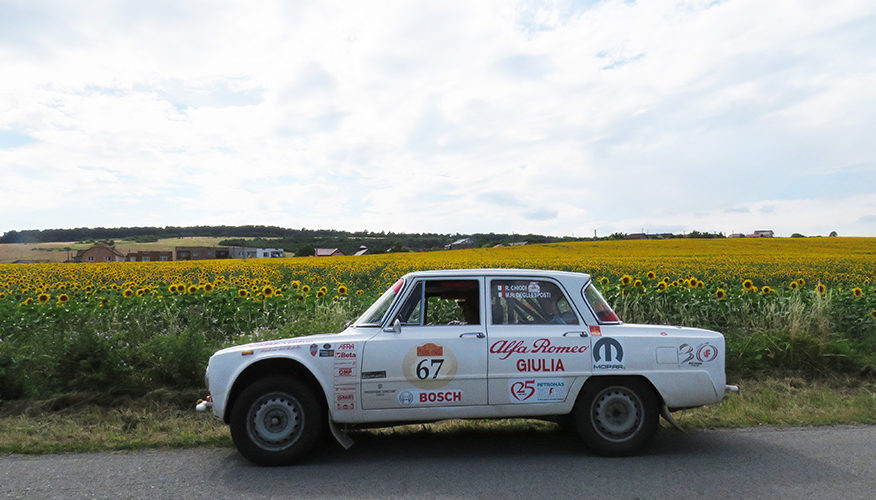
point(608, 354)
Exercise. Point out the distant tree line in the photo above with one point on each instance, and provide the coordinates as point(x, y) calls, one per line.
point(300, 241)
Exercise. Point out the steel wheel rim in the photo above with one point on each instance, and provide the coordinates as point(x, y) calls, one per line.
point(617, 414)
point(275, 421)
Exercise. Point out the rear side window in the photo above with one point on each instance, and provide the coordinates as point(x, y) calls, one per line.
point(529, 302)
point(600, 307)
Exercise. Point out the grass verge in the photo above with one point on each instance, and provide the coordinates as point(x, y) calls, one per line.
point(165, 419)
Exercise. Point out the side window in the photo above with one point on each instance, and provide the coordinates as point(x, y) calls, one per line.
point(529, 302)
point(442, 302)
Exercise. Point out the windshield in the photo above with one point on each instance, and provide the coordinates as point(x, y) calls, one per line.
point(600, 307)
point(374, 314)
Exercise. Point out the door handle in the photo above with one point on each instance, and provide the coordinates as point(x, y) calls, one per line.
point(479, 335)
point(580, 334)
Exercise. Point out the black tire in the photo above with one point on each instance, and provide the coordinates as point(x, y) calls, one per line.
point(616, 416)
point(276, 421)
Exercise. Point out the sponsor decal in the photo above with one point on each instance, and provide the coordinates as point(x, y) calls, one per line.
point(595, 331)
point(530, 291)
point(505, 348)
point(345, 397)
point(326, 353)
point(347, 347)
point(540, 365)
point(537, 390)
point(430, 349)
point(326, 346)
point(608, 354)
point(408, 398)
point(696, 356)
point(439, 396)
point(374, 374)
point(313, 349)
point(429, 366)
point(663, 334)
point(281, 348)
point(345, 355)
point(378, 391)
point(405, 397)
point(345, 370)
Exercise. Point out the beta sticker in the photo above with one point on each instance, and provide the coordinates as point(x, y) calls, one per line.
point(429, 366)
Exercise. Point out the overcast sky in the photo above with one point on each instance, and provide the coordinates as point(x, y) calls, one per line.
point(559, 118)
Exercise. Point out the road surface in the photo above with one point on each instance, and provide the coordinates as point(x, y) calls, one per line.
point(826, 462)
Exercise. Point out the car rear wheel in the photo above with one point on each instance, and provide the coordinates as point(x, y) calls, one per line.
point(276, 421)
point(616, 417)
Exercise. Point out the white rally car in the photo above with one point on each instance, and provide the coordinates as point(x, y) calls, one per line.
point(485, 343)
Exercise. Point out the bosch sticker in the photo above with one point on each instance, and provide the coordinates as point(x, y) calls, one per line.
point(408, 398)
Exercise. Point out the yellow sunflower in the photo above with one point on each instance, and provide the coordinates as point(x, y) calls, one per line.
point(63, 298)
point(305, 288)
point(43, 298)
point(268, 291)
point(626, 279)
point(342, 290)
point(747, 284)
point(720, 294)
point(820, 289)
point(794, 285)
point(128, 293)
point(651, 275)
point(857, 292)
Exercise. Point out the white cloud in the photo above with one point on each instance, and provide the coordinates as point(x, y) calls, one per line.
point(406, 116)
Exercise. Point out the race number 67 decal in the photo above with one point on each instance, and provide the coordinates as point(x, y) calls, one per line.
point(423, 368)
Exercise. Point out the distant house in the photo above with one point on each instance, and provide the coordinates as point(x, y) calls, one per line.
point(327, 252)
point(761, 233)
point(518, 243)
point(99, 253)
point(256, 253)
point(460, 244)
point(362, 250)
point(737, 235)
point(202, 253)
point(150, 256)
point(636, 236)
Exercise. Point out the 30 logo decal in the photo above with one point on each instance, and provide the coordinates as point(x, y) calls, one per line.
point(696, 356)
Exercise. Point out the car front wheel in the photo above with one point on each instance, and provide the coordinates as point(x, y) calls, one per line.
point(276, 421)
point(616, 417)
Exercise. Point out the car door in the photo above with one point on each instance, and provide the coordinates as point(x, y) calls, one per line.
point(437, 354)
point(537, 342)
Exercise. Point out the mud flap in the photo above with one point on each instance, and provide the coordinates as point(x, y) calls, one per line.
point(664, 412)
point(340, 436)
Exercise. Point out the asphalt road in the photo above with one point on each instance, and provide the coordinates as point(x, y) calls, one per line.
point(832, 462)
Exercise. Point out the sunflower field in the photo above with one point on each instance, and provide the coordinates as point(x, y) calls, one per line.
point(803, 305)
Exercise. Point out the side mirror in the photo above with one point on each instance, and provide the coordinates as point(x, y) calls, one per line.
point(395, 328)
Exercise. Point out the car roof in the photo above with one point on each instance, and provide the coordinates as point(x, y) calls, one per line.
point(498, 272)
